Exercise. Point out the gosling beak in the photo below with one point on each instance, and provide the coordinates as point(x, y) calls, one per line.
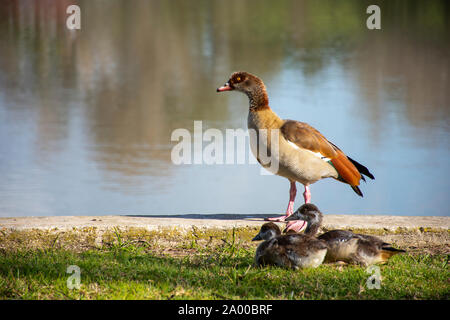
point(257, 237)
point(292, 217)
point(225, 87)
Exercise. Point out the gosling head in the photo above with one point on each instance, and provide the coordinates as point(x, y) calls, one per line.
point(310, 214)
point(268, 231)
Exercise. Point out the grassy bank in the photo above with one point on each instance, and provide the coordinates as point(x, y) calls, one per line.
point(211, 264)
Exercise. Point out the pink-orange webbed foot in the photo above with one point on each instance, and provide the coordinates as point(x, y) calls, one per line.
point(289, 211)
point(296, 226)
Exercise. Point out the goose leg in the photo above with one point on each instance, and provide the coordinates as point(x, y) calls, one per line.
point(307, 195)
point(298, 225)
point(292, 195)
point(290, 208)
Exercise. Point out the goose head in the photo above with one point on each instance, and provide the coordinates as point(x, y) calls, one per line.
point(250, 85)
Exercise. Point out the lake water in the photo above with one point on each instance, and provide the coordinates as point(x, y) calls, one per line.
point(86, 116)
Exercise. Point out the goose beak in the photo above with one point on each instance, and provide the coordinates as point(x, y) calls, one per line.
point(225, 87)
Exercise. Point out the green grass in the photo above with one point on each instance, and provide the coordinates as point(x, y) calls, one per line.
point(130, 269)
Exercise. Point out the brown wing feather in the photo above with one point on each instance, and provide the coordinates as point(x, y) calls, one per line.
point(306, 137)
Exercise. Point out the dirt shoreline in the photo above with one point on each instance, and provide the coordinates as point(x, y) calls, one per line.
point(173, 234)
point(225, 221)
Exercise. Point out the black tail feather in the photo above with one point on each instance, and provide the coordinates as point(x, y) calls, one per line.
point(362, 169)
point(357, 190)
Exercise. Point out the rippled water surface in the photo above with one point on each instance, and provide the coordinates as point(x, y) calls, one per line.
point(86, 116)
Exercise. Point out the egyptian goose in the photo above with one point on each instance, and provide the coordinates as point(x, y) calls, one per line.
point(304, 154)
point(345, 245)
point(290, 250)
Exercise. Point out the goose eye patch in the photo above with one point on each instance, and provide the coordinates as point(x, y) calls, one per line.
point(238, 79)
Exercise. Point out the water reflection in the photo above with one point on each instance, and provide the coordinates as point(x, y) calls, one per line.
point(86, 116)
